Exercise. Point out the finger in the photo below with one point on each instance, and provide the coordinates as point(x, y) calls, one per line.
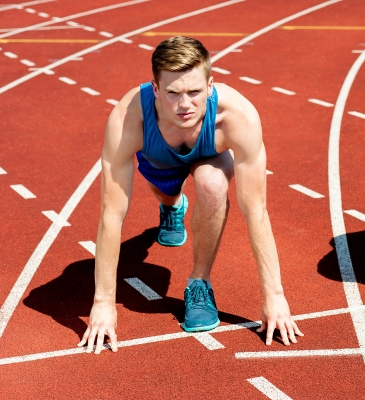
point(84, 338)
point(99, 342)
point(284, 335)
point(296, 329)
point(113, 340)
point(291, 333)
point(91, 341)
point(270, 333)
point(262, 327)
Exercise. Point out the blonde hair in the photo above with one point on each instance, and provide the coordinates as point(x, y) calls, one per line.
point(178, 54)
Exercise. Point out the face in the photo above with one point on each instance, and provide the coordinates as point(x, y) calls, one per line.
point(183, 95)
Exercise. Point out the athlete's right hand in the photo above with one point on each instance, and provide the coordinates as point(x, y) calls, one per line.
point(103, 321)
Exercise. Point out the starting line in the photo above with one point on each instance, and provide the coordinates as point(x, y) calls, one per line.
point(209, 342)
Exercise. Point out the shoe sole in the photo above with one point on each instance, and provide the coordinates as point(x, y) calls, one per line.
point(201, 328)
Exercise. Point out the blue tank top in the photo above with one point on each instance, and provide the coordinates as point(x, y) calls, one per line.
point(157, 152)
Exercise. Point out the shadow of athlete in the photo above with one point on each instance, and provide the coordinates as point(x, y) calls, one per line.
point(328, 265)
point(70, 296)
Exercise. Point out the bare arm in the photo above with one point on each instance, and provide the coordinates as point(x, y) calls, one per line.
point(122, 139)
point(244, 137)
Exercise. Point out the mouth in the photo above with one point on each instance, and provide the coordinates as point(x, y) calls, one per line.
point(186, 115)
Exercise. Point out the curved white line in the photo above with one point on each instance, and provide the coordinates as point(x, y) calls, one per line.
point(73, 16)
point(350, 285)
point(29, 3)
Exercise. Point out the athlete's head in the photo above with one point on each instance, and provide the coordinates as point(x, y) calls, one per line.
point(179, 54)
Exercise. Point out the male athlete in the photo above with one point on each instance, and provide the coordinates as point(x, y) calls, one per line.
point(178, 125)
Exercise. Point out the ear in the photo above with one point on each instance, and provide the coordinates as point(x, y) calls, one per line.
point(155, 89)
point(210, 86)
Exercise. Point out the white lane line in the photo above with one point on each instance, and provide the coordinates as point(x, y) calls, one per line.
point(30, 10)
point(270, 27)
point(89, 28)
point(167, 337)
point(90, 91)
point(269, 172)
point(146, 46)
point(89, 246)
point(43, 14)
point(73, 23)
point(67, 80)
point(306, 191)
point(10, 54)
point(357, 51)
point(41, 71)
point(142, 288)
point(21, 5)
point(283, 91)
point(124, 40)
point(27, 63)
point(321, 102)
point(299, 353)
point(54, 217)
point(2, 171)
point(73, 16)
point(106, 34)
point(23, 191)
point(356, 214)
point(112, 102)
point(357, 114)
point(45, 28)
point(350, 284)
point(36, 258)
point(268, 389)
point(250, 80)
point(221, 70)
point(208, 341)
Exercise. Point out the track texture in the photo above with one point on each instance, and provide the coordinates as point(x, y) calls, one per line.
point(51, 137)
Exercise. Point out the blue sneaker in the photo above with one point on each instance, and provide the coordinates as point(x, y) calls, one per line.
point(172, 231)
point(201, 313)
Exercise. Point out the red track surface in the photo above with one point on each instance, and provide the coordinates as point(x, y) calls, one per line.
point(51, 136)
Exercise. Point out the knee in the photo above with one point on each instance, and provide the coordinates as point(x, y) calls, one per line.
point(211, 183)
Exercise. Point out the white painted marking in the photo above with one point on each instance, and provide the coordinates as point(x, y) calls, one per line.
point(268, 172)
point(90, 91)
point(208, 341)
point(67, 80)
point(357, 51)
point(356, 214)
point(357, 114)
point(2, 171)
point(89, 28)
point(72, 23)
point(142, 288)
point(78, 59)
point(321, 102)
point(308, 192)
point(10, 54)
point(56, 19)
point(221, 70)
point(350, 284)
point(106, 34)
point(27, 63)
point(166, 337)
point(124, 40)
point(299, 353)
point(41, 71)
point(36, 258)
point(250, 80)
point(89, 246)
point(46, 28)
point(55, 218)
point(270, 27)
point(112, 102)
point(30, 10)
point(268, 389)
point(43, 15)
point(283, 91)
point(146, 46)
point(23, 191)
point(21, 6)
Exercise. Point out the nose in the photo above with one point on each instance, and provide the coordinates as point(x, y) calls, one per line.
point(184, 101)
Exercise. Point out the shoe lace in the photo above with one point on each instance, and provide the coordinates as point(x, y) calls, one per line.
point(198, 298)
point(169, 219)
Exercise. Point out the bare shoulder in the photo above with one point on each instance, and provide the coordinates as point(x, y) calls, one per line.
point(124, 130)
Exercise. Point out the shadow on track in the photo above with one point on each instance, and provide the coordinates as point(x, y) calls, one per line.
point(70, 296)
point(328, 265)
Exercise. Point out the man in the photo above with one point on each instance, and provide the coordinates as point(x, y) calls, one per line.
point(182, 124)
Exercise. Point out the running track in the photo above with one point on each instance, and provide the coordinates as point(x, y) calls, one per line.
point(63, 66)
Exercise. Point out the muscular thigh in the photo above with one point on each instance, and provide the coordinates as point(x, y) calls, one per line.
point(221, 163)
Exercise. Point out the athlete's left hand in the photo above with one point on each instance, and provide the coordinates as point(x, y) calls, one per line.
point(276, 314)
